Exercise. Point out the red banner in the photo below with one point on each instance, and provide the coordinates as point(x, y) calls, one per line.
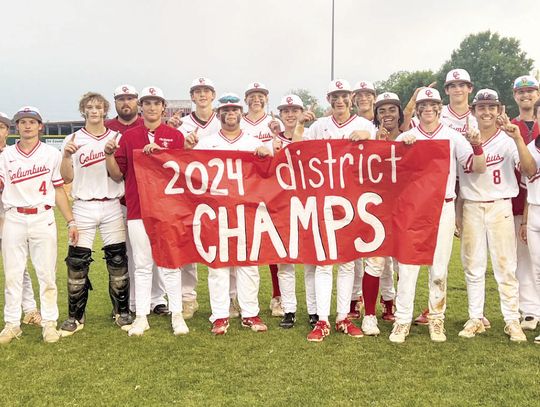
point(316, 202)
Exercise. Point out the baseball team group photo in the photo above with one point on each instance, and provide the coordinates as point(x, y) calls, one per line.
point(243, 238)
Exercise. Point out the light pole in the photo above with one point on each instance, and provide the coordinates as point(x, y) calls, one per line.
point(332, 57)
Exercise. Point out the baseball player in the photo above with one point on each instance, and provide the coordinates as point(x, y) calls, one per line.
point(487, 214)
point(96, 205)
point(127, 109)
point(32, 186)
point(526, 93)
point(232, 138)
point(152, 136)
point(257, 123)
point(467, 153)
point(340, 125)
point(291, 110)
point(32, 315)
point(203, 121)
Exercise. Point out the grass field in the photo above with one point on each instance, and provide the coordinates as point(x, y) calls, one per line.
point(101, 365)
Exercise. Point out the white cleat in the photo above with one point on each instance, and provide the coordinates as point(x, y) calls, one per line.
point(472, 327)
point(436, 330)
point(179, 325)
point(139, 326)
point(370, 326)
point(9, 333)
point(529, 323)
point(399, 332)
point(514, 331)
point(49, 332)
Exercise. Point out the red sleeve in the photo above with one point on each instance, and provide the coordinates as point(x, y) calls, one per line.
point(121, 155)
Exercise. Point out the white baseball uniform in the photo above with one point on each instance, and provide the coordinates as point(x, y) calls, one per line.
point(190, 123)
point(461, 153)
point(488, 221)
point(259, 129)
point(456, 121)
point(29, 193)
point(247, 277)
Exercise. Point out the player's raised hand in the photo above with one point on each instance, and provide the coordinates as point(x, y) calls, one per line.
point(150, 148)
point(504, 123)
point(308, 115)
point(472, 134)
point(175, 120)
point(70, 147)
point(191, 139)
point(262, 152)
point(274, 124)
point(382, 133)
point(112, 145)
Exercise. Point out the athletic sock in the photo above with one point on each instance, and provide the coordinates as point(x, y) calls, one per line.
point(370, 289)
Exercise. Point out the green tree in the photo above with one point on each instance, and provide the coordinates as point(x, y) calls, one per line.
point(404, 83)
point(309, 100)
point(493, 62)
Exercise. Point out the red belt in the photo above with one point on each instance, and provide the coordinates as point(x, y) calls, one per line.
point(32, 211)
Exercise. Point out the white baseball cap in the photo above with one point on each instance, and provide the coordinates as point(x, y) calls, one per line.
point(229, 99)
point(387, 98)
point(28, 112)
point(290, 101)
point(125, 90)
point(526, 82)
point(151, 92)
point(202, 83)
point(5, 119)
point(457, 75)
point(338, 85)
point(364, 86)
point(486, 96)
point(256, 87)
point(428, 94)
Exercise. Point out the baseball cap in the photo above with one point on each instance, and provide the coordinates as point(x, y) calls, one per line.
point(387, 98)
point(256, 87)
point(338, 85)
point(290, 101)
point(526, 82)
point(28, 112)
point(5, 119)
point(202, 83)
point(457, 75)
point(151, 92)
point(125, 90)
point(428, 94)
point(364, 86)
point(229, 99)
point(486, 96)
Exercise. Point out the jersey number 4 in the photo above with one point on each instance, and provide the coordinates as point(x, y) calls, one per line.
point(43, 188)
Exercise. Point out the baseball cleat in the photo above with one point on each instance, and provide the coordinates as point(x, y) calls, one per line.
point(276, 308)
point(319, 332)
point(353, 315)
point(486, 323)
point(32, 318)
point(234, 308)
point(370, 326)
point(399, 332)
point(178, 324)
point(436, 330)
point(9, 333)
point(189, 308)
point(220, 326)
point(387, 310)
point(347, 327)
point(529, 323)
point(472, 327)
point(313, 319)
point(255, 323)
point(49, 332)
point(288, 320)
point(161, 310)
point(139, 326)
point(124, 319)
point(422, 319)
point(537, 339)
point(70, 326)
point(514, 331)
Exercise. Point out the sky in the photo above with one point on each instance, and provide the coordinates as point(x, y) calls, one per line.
point(54, 51)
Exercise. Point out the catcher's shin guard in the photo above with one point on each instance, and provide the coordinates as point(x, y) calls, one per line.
point(117, 265)
point(78, 264)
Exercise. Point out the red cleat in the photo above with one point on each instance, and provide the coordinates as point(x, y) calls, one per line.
point(388, 310)
point(220, 326)
point(422, 319)
point(321, 330)
point(347, 327)
point(255, 323)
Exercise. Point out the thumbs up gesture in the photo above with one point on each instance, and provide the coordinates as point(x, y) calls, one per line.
point(70, 147)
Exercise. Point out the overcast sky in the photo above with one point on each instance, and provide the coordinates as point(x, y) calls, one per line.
point(54, 51)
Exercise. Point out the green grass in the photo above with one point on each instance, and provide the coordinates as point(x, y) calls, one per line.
point(101, 365)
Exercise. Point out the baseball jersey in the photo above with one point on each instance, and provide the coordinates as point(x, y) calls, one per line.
point(218, 141)
point(460, 151)
point(190, 123)
point(90, 177)
point(135, 139)
point(284, 140)
point(260, 129)
point(533, 182)
point(114, 124)
point(499, 181)
point(456, 121)
point(30, 178)
point(327, 128)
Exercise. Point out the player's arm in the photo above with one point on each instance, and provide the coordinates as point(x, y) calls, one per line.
point(66, 166)
point(523, 226)
point(472, 135)
point(63, 205)
point(110, 161)
point(408, 111)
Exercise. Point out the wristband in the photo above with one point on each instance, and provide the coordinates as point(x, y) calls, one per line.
point(106, 153)
point(477, 149)
point(71, 224)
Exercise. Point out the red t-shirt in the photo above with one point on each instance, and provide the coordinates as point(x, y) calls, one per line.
point(135, 139)
point(518, 203)
point(115, 125)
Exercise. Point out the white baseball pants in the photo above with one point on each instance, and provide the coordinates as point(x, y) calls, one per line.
point(533, 239)
point(103, 215)
point(35, 235)
point(358, 274)
point(144, 270)
point(529, 296)
point(323, 288)
point(287, 286)
point(385, 273)
point(247, 279)
point(438, 273)
point(490, 225)
point(189, 282)
point(309, 282)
